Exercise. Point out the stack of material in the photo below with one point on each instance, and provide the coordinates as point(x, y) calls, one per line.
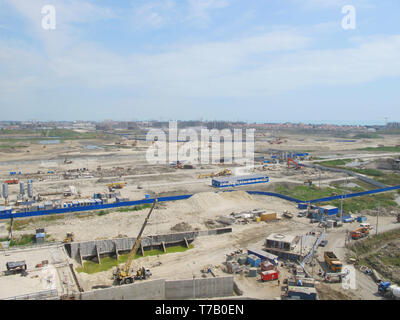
point(233, 266)
point(301, 282)
point(242, 259)
point(268, 216)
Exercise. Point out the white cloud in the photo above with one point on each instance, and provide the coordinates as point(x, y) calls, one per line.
point(329, 4)
point(154, 14)
point(200, 10)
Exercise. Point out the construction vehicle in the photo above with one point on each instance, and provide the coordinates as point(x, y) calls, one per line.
point(123, 275)
point(287, 214)
point(359, 233)
point(298, 166)
point(69, 237)
point(388, 290)
point(333, 262)
point(118, 185)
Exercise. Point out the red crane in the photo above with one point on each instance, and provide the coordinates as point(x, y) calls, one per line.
point(291, 160)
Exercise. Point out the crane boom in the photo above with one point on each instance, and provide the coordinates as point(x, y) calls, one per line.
point(124, 272)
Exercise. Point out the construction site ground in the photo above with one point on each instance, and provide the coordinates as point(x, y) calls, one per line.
point(199, 212)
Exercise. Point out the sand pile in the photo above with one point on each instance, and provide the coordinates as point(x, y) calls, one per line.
point(210, 200)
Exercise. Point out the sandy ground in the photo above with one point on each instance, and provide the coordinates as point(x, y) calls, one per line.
point(55, 276)
point(195, 211)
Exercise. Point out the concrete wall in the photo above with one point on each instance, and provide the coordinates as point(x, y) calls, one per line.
point(199, 288)
point(162, 290)
point(147, 290)
point(88, 248)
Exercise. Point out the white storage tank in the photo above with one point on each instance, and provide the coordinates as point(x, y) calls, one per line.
point(22, 188)
point(5, 190)
point(30, 189)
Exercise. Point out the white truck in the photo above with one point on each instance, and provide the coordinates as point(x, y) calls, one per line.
point(389, 291)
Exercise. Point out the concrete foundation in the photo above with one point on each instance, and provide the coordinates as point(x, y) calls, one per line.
point(90, 249)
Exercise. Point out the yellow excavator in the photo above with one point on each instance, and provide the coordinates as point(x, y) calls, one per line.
point(69, 237)
point(118, 185)
point(123, 275)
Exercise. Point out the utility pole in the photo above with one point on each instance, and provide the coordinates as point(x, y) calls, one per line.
point(377, 217)
point(320, 179)
point(341, 208)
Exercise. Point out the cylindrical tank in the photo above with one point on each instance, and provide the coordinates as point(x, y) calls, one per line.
point(5, 190)
point(395, 292)
point(22, 188)
point(30, 190)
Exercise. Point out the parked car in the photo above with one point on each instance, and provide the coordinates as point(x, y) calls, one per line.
point(302, 214)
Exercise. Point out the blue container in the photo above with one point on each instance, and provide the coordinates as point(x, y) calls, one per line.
point(147, 196)
point(361, 219)
point(302, 206)
point(253, 260)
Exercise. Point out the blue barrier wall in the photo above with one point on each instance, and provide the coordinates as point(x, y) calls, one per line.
point(352, 195)
point(183, 197)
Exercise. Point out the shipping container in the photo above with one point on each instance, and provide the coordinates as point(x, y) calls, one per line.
point(268, 216)
point(264, 255)
point(253, 272)
point(253, 260)
point(269, 275)
point(267, 266)
point(361, 219)
point(303, 293)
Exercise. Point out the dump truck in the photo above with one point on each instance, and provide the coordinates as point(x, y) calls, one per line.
point(333, 262)
point(359, 233)
point(389, 291)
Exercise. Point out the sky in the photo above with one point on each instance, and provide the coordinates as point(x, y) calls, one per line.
point(236, 60)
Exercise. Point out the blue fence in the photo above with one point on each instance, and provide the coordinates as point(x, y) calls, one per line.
point(183, 197)
point(273, 194)
point(352, 195)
